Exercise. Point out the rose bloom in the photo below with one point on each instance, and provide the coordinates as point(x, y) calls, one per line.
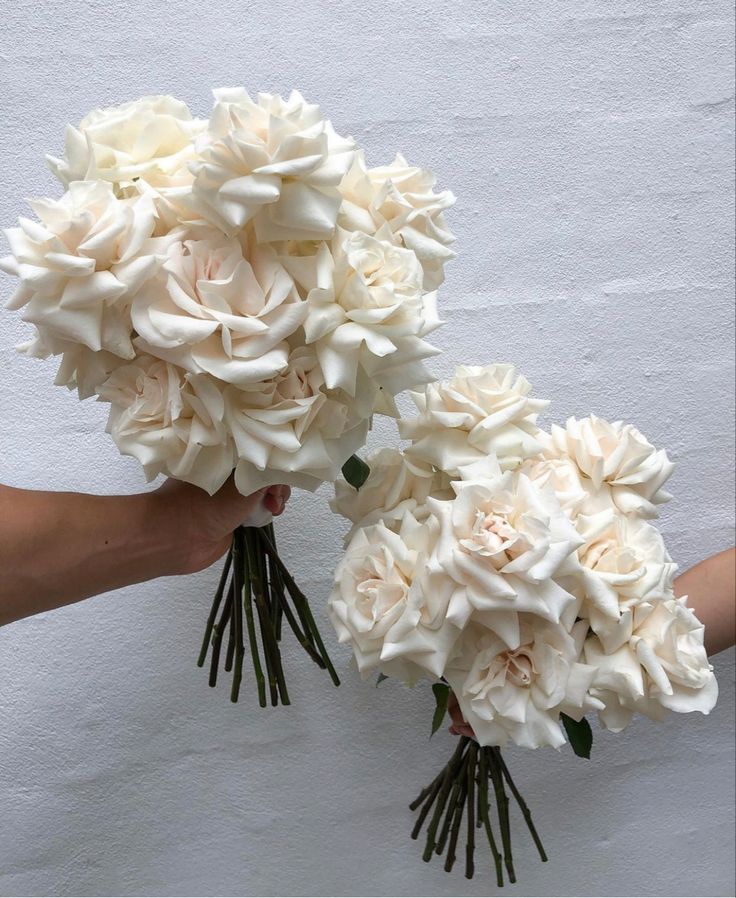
point(623, 564)
point(478, 412)
point(272, 161)
point(216, 308)
point(564, 477)
point(366, 311)
point(516, 693)
point(390, 604)
point(504, 543)
point(172, 422)
point(663, 666)
point(82, 264)
point(290, 428)
point(395, 485)
point(617, 459)
point(150, 139)
point(401, 197)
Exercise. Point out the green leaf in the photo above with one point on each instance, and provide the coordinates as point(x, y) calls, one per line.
point(441, 695)
point(580, 735)
point(381, 678)
point(355, 471)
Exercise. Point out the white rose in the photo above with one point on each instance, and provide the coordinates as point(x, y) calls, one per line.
point(617, 459)
point(213, 309)
point(480, 411)
point(663, 667)
point(400, 196)
point(170, 421)
point(389, 603)
point(273, 161)
point(517, 693)
point(561, 475)
point(366, 310)
point(290, 428)
point(395, 485)
point(81, 266)
point(149, 139)
point(503, 541)
point(623, 564)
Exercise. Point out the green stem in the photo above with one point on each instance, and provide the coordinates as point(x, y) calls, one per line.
point(271, 626)
point(485, 815)
point(299, 598)
point(301, 637)
point(425, 810)
point(215, 608)
point(455, 831)
point(275, 559)
point(236, 631)
point(450, 774)
point(426, 790)
point(449, 814)
point(273, 579)
point(277, 681)
point(230, 654)
point(502, 806)
point(523, 805)
point(470, 847)
point(258, 670)
point(255, 566)
point(218, 632)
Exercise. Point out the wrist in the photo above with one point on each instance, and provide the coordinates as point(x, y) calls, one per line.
point(166, 525)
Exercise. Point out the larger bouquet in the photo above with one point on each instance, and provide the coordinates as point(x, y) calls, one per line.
point(520, 569)
point(245, 293)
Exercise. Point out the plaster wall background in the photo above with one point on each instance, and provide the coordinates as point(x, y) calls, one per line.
point(590, 146)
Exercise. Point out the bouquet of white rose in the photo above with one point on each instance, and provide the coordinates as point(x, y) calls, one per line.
point(245, 293)
point(520, 569)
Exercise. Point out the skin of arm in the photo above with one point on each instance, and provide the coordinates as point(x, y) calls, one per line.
point(711, 591)
point(58, 548)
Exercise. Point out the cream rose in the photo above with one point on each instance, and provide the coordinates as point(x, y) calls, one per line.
point(663, 667)
point(389, 602)
point(290, 428)
point(623, 564)
point(563, 476)
point(504, 543)
point(395, 485)
point(149, 139)
point(478, 412)
point(82, 264)
point(217, 310)
point(401, 197)
point(517, 693)
point(272, 161)
point(366, 310)
point(172, 422)
point(617, 459)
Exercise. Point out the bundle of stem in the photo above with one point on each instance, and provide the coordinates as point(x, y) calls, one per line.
point(462, 788)
point(257, 586)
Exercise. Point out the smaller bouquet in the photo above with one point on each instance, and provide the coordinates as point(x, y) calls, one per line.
point(520, 569)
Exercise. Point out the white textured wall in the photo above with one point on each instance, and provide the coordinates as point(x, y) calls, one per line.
point(590, 147)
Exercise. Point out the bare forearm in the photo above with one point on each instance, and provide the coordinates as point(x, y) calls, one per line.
point(57, 548)
point(709, 586)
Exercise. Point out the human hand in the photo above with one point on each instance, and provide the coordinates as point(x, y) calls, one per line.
point(205, 523)
point(460, 727)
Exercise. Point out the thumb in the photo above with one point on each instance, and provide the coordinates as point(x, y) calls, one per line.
point(236, 510)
